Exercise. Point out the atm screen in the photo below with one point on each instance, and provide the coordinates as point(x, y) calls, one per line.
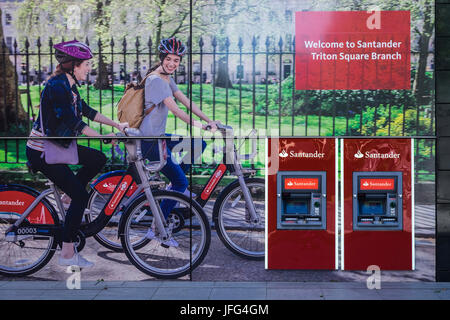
point(295, 207)
point(371, 207)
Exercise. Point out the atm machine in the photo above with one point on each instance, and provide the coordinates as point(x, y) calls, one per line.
point(301, 200)
point(301, 203)
point(378, 207)
point(378, 201)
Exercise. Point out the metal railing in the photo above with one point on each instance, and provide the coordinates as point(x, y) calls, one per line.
point(263, 97)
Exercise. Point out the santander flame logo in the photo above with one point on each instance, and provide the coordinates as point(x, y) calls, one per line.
point(283, 154)
point(365, 184)
point(359, 155)
point(290, 183)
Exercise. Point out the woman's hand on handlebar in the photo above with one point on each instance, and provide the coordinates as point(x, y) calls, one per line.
point(108, 138)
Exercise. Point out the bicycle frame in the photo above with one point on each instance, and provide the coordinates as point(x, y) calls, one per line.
point(37, 229)
point(230, 153)
point(136, 172)
point(56, 230)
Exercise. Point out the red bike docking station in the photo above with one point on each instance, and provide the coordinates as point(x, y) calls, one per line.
point(377, 204)
point(301, 230)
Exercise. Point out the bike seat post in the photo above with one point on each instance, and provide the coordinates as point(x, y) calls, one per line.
point(135, 156)
point(58, 200)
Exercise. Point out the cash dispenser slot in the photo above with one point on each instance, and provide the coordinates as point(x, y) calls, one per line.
point(301, 200)
point(377, 201)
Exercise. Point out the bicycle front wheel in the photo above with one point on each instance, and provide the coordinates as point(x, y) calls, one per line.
point(192, 237)
point(233, 223)
point(23, 254)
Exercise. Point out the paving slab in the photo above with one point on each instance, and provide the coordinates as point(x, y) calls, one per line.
point(343, 285)
point(27, 285)
point(48, 294)
point(228, 284)
point(350, 294)
point(142, 284)
point(93, 284)
point(126, 294)
point(294, 294)
point(238, 293)
point(408, 294)
point(415, 285)
point(443, 294)
point(182, 294)
point(186, 284)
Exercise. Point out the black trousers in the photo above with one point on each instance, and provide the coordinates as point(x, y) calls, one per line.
point(74, 185)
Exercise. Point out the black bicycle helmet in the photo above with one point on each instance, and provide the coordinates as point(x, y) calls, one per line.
point(171, 46)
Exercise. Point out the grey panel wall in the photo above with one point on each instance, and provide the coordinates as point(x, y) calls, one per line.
point(442, 77)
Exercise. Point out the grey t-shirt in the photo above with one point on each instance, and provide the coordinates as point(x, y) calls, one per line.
point(156, 90)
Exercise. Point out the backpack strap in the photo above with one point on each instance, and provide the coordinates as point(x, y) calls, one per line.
point(146, 112)
point(142, 83)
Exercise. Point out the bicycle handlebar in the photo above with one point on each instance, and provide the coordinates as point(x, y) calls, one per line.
point(134, 150)
point(228, 133)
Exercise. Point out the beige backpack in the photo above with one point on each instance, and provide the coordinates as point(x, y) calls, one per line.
point(131, 106)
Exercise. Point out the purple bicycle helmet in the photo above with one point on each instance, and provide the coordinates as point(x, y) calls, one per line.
point(72, 50)
point(69, 53)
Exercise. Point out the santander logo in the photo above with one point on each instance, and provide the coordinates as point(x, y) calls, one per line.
point(12, 203)
point(302, 154)
point(359, 155)
point(376, 155)
point(118, 195)
point(283, 154)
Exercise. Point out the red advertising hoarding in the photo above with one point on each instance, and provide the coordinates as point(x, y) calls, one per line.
point(346, 50)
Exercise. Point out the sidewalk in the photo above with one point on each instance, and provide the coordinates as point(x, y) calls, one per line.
point(181, 290)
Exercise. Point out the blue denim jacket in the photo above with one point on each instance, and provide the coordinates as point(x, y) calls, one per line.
point(58, 109)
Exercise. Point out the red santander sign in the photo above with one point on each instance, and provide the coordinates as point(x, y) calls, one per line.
point(352, 50)
point(301, 183)
point(377, 184)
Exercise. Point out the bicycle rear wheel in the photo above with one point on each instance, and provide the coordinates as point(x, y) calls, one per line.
point(22, 255)
point(108, 236)
point(232, 221)
point(155, 259)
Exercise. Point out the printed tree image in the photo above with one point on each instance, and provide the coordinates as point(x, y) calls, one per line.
point(11, 110)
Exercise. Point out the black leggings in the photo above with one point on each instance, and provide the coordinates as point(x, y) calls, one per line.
point(74, 185)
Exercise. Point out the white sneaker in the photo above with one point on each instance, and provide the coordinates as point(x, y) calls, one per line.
point(168, 243)
point(187, 193)
point(76, 260)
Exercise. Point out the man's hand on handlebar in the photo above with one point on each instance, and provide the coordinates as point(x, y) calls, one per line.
point(212, 126)
point(122, 126)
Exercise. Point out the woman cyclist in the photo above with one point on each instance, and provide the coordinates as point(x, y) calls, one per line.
point(61, 111)
point(160, 91)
